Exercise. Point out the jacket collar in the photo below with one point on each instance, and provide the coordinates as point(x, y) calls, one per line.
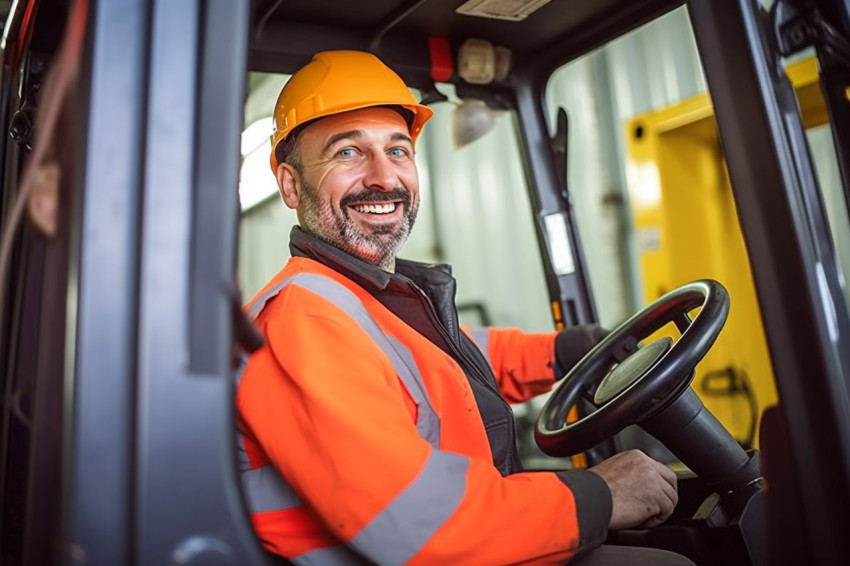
point(370, 277)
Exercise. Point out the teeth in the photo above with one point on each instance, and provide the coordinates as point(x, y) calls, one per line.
point(375, 208)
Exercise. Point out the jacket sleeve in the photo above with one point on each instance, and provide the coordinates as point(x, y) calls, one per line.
point(330, 413)
point(523, 363)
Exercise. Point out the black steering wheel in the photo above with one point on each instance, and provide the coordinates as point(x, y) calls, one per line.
point(627, 383)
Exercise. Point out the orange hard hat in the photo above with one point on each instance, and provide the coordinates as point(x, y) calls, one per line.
point(339, 81)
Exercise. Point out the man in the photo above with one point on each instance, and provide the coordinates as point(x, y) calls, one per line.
point(373, 429)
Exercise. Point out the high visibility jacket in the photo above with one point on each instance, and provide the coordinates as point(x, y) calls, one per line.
point(362, 437)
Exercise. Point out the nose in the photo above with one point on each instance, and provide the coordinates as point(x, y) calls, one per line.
point(381, 173)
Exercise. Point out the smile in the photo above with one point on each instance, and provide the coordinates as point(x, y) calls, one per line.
point(375, 208)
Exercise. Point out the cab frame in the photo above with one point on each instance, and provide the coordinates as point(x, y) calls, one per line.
point(129, 337)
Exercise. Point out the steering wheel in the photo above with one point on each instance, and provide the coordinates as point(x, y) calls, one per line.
point(627, 383)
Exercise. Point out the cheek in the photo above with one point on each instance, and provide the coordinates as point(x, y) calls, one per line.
point(332, 185)
point(410, 179)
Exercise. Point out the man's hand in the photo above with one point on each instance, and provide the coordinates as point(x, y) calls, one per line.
point(573, 342)
point(644, 490)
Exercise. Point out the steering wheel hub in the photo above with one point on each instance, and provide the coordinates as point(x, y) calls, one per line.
point(631, 370)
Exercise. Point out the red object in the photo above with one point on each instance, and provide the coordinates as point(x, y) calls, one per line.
point(442, 66)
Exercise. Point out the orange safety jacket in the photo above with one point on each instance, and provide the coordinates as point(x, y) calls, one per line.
point(363, 441)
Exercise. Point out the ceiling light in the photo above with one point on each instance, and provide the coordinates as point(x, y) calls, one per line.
point(470, 120)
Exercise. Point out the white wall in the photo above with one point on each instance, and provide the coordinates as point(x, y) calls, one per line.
point(484, 222)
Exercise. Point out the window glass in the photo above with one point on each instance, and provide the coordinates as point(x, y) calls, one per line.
point(654, 205)
point(829, 180)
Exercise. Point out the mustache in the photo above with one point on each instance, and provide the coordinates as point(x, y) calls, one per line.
point(366, 196)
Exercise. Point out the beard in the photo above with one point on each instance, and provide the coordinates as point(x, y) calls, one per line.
point(375, 244)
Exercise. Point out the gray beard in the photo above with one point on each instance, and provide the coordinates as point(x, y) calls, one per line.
point(379, 247)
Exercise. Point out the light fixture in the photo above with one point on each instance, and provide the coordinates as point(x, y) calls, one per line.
point(480, 62)
point(470, 120)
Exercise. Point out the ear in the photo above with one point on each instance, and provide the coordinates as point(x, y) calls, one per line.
point(289, 184)
point(43, 200)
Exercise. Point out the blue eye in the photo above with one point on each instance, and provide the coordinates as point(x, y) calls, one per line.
point(398, 152)
point(348, 152)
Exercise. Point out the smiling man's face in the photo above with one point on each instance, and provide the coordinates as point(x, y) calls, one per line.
point(358, 188)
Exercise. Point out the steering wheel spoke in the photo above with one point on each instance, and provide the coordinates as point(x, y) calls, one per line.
point(683, 322)
point(588, 395)
point(625, 347)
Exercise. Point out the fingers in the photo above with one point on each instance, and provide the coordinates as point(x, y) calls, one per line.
point(644, 491)
point(665, 472)
point(667, 500)
point(669, 489)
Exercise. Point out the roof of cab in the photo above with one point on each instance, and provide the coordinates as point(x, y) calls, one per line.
point(287, 33)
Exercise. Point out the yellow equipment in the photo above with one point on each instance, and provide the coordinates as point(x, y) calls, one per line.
point(686, 228)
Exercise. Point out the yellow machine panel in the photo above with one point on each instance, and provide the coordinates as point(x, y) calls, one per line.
point(686, 228)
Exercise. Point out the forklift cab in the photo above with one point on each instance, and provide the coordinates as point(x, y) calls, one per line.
point(118, 330)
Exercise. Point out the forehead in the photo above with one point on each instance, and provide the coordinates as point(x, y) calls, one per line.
point(372, 122)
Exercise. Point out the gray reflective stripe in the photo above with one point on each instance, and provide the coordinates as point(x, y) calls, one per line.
point(331, 556)
point(243, 463)
point(264, 298)
point(481, 337)
point(266, 490)
point(240, 371)
point(427, 422)
point(400, 531)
